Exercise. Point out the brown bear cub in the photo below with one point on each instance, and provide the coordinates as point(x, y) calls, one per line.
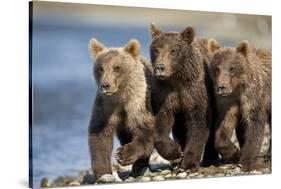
point(242, 86)
point(123, 104)
point(181, 97)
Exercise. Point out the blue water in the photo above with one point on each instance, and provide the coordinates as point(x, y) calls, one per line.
point(63, 93)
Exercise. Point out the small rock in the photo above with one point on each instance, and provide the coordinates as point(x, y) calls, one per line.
point(145, 179)
point(255, 172)
point(152, 174)
point(193, 174)
point(227, 166)
point(130, 179)
point(181, 175)
point(107, 178)
point(236, 170)
point(74, 183)
point(169, 175)
point(147, 172)
point(45, 182)
point(60, 181)
point(199, 176)
point(209, 176)
point(267, 171)
point(219, 175)
point(158, 178)
point(82, 175)
point(165, 172)
point(89, 179)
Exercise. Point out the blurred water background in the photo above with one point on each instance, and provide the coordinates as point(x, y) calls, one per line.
point(63, 86)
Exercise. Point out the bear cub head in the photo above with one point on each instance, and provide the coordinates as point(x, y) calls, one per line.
point(113, 67)
point(167, 49)
point(229, 67)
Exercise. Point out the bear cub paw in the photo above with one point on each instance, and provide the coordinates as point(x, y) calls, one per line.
point(128, 154)
point(169, 150)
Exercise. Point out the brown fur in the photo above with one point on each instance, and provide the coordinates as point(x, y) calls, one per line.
point(122, 103)
point(180, 96)
point(242, 84)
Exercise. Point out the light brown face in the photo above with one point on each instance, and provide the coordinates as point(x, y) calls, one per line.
point(112, 66)
point(109, 73)
point(227, 71)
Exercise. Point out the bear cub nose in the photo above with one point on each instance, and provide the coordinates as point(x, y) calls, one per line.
point(160, 67)
point(221, 88)
point(105, 86)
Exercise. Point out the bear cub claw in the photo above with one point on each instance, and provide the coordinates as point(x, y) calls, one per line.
point(127, 154)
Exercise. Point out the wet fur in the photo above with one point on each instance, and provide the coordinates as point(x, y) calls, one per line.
point(182, 102)
point(248, 107)
point(128, 111)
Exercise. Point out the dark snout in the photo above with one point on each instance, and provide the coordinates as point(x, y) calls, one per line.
point(222, 89)
point(159, 69)
point(104, 87)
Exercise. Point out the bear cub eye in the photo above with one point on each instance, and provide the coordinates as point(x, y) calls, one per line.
point(173, 52)
point(217, 71)
point(231, 70)
point(100, 69)
point(155, 52)
point(116, 69)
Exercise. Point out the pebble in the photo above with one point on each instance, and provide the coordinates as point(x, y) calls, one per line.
point(145, 179)
point(158, 178)
point(74, 183)
point(89, 179)
point(199, 176)
point(153, 174)
point(82, 175)
point(193, 174)
point(165, 172)
point(45, 182)
point(236, 170)
point(130, 179)
point(227, 166)
point(107, 178)
point(219, 175)
point(169, 175)
point(255, 172)
point(267, 171)
point(147, 172)
point(181, 175)
point(60, 181)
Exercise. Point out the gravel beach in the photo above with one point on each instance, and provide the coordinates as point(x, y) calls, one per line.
point(160, 170)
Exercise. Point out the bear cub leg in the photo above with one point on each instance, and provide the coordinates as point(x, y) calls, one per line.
point(164, 145)
point(100, 143)
point(254, 132)
point(141, 165)
point(225, 127)
point(197, 136)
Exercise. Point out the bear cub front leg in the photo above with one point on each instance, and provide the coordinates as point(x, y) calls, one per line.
point(164, 145)
point(140, 146)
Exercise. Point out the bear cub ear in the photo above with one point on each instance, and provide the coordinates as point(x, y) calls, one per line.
point(243, 48)
point(95, 47)
point(154, 31)
point(133, 47)
point(188, 34)
point(213, 45)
